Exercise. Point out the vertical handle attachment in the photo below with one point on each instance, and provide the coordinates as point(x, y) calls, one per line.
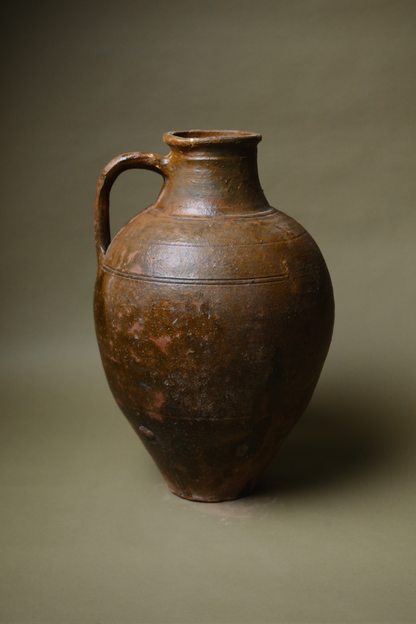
point(134, 160)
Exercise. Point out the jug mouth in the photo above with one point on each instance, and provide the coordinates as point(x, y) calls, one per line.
point(190, 138)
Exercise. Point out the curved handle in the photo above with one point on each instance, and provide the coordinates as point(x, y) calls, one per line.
point(134, 160)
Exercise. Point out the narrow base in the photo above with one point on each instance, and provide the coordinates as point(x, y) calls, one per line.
point(214, 498)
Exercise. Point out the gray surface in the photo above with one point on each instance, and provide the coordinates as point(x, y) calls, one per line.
point(89, 531)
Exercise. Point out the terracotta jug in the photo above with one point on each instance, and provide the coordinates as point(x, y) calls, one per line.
point(214, 314)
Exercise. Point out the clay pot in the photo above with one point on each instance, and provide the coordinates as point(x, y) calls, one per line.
point(214, 314)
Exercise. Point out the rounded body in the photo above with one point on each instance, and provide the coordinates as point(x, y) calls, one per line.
point(214, 315)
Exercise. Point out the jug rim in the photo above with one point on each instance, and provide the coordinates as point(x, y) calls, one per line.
point(197, 137)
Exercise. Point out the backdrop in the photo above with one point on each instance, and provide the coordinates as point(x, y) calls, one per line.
point(89, 530)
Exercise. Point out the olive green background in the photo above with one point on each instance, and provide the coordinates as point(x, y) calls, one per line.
point(89, 532)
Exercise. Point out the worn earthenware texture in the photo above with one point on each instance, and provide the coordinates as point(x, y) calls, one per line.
point(214, 314)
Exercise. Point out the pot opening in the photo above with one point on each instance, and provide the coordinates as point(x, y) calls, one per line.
point(189, 138)
point(200, 134)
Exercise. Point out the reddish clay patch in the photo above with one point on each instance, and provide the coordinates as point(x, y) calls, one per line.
point(131, 256)
point(134, 356)
point(155, 416)
point(136, 327)
point(159, 399)
point(161, 342)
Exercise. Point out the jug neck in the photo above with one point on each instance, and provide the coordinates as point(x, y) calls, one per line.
point(212, 173)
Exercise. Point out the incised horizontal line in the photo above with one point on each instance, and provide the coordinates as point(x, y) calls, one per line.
point(194, 280)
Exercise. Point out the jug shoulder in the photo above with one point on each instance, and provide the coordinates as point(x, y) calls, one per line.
point(267, 245)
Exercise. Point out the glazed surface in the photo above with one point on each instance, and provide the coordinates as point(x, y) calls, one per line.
point(213, 327)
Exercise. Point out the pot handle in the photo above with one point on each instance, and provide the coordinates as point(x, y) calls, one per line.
point(134, 160)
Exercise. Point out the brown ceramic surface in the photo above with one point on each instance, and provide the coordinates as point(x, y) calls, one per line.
point(214, 314)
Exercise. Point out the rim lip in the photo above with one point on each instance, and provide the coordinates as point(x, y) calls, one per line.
point(209, 137)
